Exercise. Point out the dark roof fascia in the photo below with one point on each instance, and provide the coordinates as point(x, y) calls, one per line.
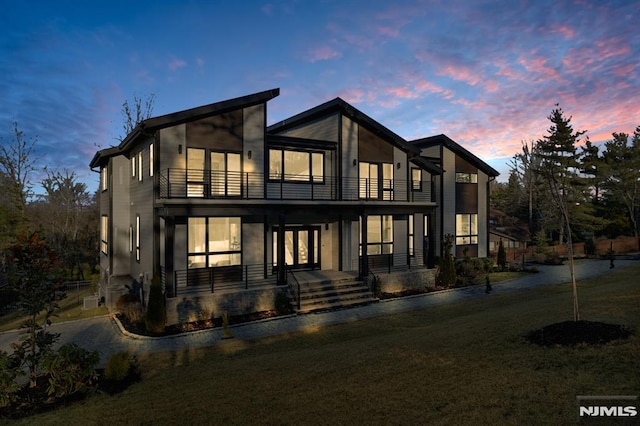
point(427, 165)
point(288, 141)
point(103, 155)
point(458, 149)
point(150, 125)
point(350, 111)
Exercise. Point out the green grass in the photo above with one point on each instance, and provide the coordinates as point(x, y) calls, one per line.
point(70, 309)
point(463, 363)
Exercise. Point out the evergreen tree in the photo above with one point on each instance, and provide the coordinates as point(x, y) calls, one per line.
point(559, 169)
point(446, 276)
point(502, 256)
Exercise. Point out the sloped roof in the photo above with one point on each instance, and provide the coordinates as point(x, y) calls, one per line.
point(339, 105)
point(150, 125)
point(458, 149)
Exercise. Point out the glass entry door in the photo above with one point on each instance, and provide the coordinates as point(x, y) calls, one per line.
point(301, 247)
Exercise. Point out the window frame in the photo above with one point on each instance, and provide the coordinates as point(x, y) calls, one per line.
point(230, 181)
point(277, 156)
point(466, 177)
point(385, 245)
point(140, 166)
point(104, 234)
point(208, 251)
point(104, 178)
point(415, 187)
point(151, 155)
point(138, 238)
point(411, 233)
point(470, 237)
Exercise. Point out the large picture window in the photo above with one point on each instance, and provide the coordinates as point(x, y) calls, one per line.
point(379, 234)
point(370, 180)
point(214, 241)
point(467, 229)
point(296, 166)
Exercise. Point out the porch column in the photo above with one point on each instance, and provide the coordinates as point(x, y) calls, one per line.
point(364, 267)
point(281, 247)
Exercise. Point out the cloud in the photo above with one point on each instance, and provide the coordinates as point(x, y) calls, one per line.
point(322, 53)
point(176, 64)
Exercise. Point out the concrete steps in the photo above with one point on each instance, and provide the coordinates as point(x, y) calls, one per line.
point(333, 294)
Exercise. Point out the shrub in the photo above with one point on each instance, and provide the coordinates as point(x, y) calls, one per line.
point(126, 299)
point(502, 256)
point(9, 386)
point(282, 303)
point(446, 275)
point(133, 312)
point(156, 316)
point(70, 370)
point(120, 366)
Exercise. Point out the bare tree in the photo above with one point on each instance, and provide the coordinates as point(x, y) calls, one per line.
point(135, 112)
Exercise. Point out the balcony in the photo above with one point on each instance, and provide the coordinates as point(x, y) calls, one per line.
point(210, 184)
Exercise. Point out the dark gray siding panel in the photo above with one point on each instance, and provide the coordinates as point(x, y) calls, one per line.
point(324, 128)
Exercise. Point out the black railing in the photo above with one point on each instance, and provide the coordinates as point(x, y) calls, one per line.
point(211, 184)
point(211, 280)
point(294, 287)
point(388, 262)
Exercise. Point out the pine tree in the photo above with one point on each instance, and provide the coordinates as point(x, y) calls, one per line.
point(446, 276)
point(502, 256)
point(559, 169)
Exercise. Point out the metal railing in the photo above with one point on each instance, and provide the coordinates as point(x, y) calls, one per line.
point(211, 184)
point(294, 287)
point(211, 280)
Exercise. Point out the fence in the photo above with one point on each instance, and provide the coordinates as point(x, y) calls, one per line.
point(602, 248)
point(9, 297)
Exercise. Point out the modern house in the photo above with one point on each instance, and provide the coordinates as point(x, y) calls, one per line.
point(227, 210)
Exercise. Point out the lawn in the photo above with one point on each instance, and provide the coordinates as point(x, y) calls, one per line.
point(70, 309)
point(464, 363)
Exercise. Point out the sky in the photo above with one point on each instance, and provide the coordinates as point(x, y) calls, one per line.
point(485, 73)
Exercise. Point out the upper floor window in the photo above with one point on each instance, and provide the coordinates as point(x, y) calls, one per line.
point(466, 177)
point(370, 178)
point(416, 179)
point(140, 166)
point(467, 228)
point(104, 178)
point(226, 174)
point(296, 166)
point(133, 166)
point(151, 160)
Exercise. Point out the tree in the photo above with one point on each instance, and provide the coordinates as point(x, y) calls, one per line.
point(622, 184)
point(559, 168)
point(502, 256)
point(446, 275)
point(524, 166)
point(33, 273)
point(17, 161)
point(133, 114)
point(62, 217)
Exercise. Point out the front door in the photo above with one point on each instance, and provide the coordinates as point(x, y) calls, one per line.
point(301, 247)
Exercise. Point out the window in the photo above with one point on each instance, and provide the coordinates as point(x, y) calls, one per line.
point(138, 238)
point(467, 229)
point(214, 241)
point(296, 166)
point(104, 178)
point(416, 179)
point(133, 166)
point(151, 160)
point(195, 172)
point(411, 252)
point(140, 166)
point(379, 234)
point(130, 239)
point(466, 178)
point(104, 234)
point(226, 174)
point(370, 177)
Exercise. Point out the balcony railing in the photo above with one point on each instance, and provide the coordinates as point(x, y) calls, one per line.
point(212, 280)
point(210, 184)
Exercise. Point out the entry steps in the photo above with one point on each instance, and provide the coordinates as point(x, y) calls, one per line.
point(333, 294)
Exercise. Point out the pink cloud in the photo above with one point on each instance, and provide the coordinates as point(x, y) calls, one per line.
point(176, 64)
point(624, 70)
point(564, 30)
point(323, 53)
point(389, 32)
point(538, 65)
point(460, 73)
point(426, 86)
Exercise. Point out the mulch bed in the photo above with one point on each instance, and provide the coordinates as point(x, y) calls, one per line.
point(573, 333)
point(172, 330)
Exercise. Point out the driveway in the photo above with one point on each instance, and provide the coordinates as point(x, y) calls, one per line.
point(104, 334)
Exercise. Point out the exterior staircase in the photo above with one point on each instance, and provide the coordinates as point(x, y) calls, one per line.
point(319, 293)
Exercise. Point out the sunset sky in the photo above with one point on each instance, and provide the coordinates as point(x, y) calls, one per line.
point(487, 74)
